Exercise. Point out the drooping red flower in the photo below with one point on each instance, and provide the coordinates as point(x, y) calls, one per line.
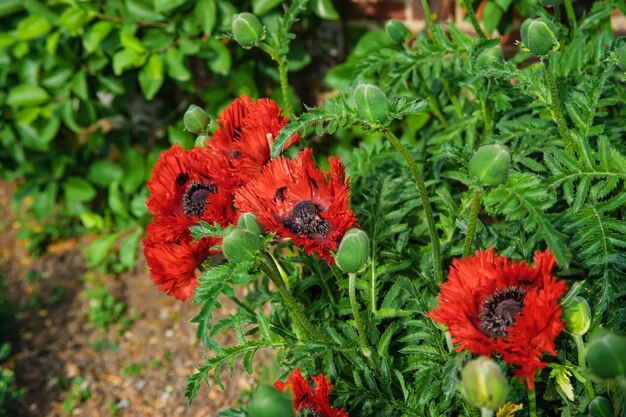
point(246, 132)
point(296, 200)
point(188, 186)
point(173, 264)
point(311, 398)
point(492, 305)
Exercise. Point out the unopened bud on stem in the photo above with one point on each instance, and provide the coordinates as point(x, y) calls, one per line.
point(353, 252)
point(371, 103)
point(247, 29)
point(577, 316)
point(483, 383)
point(490, 164)
point(196, 120)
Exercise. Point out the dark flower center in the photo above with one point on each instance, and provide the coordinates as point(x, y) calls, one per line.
point(305, 220)
point(194, 199)
point(500, 310)
point(280, 193)
point(182, 178)
point(309, 412)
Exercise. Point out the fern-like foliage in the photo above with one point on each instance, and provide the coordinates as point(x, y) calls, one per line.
point(525, 198)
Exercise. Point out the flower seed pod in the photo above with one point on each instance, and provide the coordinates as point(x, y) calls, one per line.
point(488, 57)
point(248, 221)
point(240, 245)
point(577, 316)
point(600, 407)
point(196, 120)
point(606, 355)
point(371, 103)
point(353, 252)
point(483, 383)
point(490, 164)
point(539, 35)
point(247, 29)
point(270, 402)
point(397, 31)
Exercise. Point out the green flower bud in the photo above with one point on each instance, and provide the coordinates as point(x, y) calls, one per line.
point(577, 316)
point(269, 402)
point(539, 35)
point(490, 164)
point(489, 56)
point(397, 31)
point(240, 245)
point(600, 407)
point(606, 355)
point(196, 120)
point(483, 383)
point(247, 29)
point(371, 103)
point(201, 141)
point(248, 221)
point(353, 252)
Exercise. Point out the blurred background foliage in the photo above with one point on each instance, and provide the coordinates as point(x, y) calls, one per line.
point(93, 91)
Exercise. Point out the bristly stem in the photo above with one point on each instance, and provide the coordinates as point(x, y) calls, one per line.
point(473, 19)
point(429, 20)
point(302, 323)
point(555, 105)
point(284, 84)
point(357, 315)
point(472, 221)
point(532, 402)
point(580, 347)
point(421, 188)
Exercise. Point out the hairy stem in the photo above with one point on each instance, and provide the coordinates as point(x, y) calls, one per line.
point(284, 84)
point(571, 16)
point(302, 323)
point(532, 402)
point(555, 105)
point(471, 225)
point(473, 19)
point(421, 188)
point(357, 316)
point(429, 20)
point(580, 347)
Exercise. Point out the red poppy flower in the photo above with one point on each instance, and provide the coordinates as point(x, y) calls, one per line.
point(246, 132)
point(297, 201)
point(187, 186)
point(173, 264)
point(313, 399)
point(491, 305)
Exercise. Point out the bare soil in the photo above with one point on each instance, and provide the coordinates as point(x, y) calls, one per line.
point(56, 342)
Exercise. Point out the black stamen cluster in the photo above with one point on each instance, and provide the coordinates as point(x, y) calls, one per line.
point(500, 310)
point(305, 220)
point(195, 198)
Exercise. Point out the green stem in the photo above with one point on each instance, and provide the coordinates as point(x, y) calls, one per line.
point(453, 100)
point(532, 402)
point(557, 113)
point(302, 323)
point(486, 412)
point(473, 19)
point(580, 347)
point(373, 303)
point(429, 20)
point(357, 316)
point(421, 188)
point(473, 219)
point(284, 84)
point(571, 16)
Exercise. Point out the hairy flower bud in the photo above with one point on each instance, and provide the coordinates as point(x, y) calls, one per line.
point(353, 252)
point(247, 29)
point(196, 120)
point(270, 402)
point(397, 31)
point(371, 103)
point(248, 221)
point(483, 383)
point(539, 35)
point(489, 56)
point(606, 355)
point(240, 245)
point(600, 407)
point(577, 316)
point(490, 164)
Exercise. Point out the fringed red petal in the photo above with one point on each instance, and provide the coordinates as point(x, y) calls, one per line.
point(307, 396)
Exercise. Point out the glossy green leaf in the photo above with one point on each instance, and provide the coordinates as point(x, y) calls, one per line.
point(492, 16)
point(73, 18)
point(205, 12)
point(103, 173)
point(260, 7)
point(96, 34)
point(6, 39)
point(151, 77)
point(128, 249)
point(9, 7)
point(27, 95)
point(131, 43)
point(141, 10)
point(79, 85)
point(125, 59)
point(220, 60)
point(325, 9)
point(97, 251)
point(57, 78)
point(32, 27)
point(176, 68)
point(52, 42)
point(117, 201)
point(78, 189)
point(167, 5)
